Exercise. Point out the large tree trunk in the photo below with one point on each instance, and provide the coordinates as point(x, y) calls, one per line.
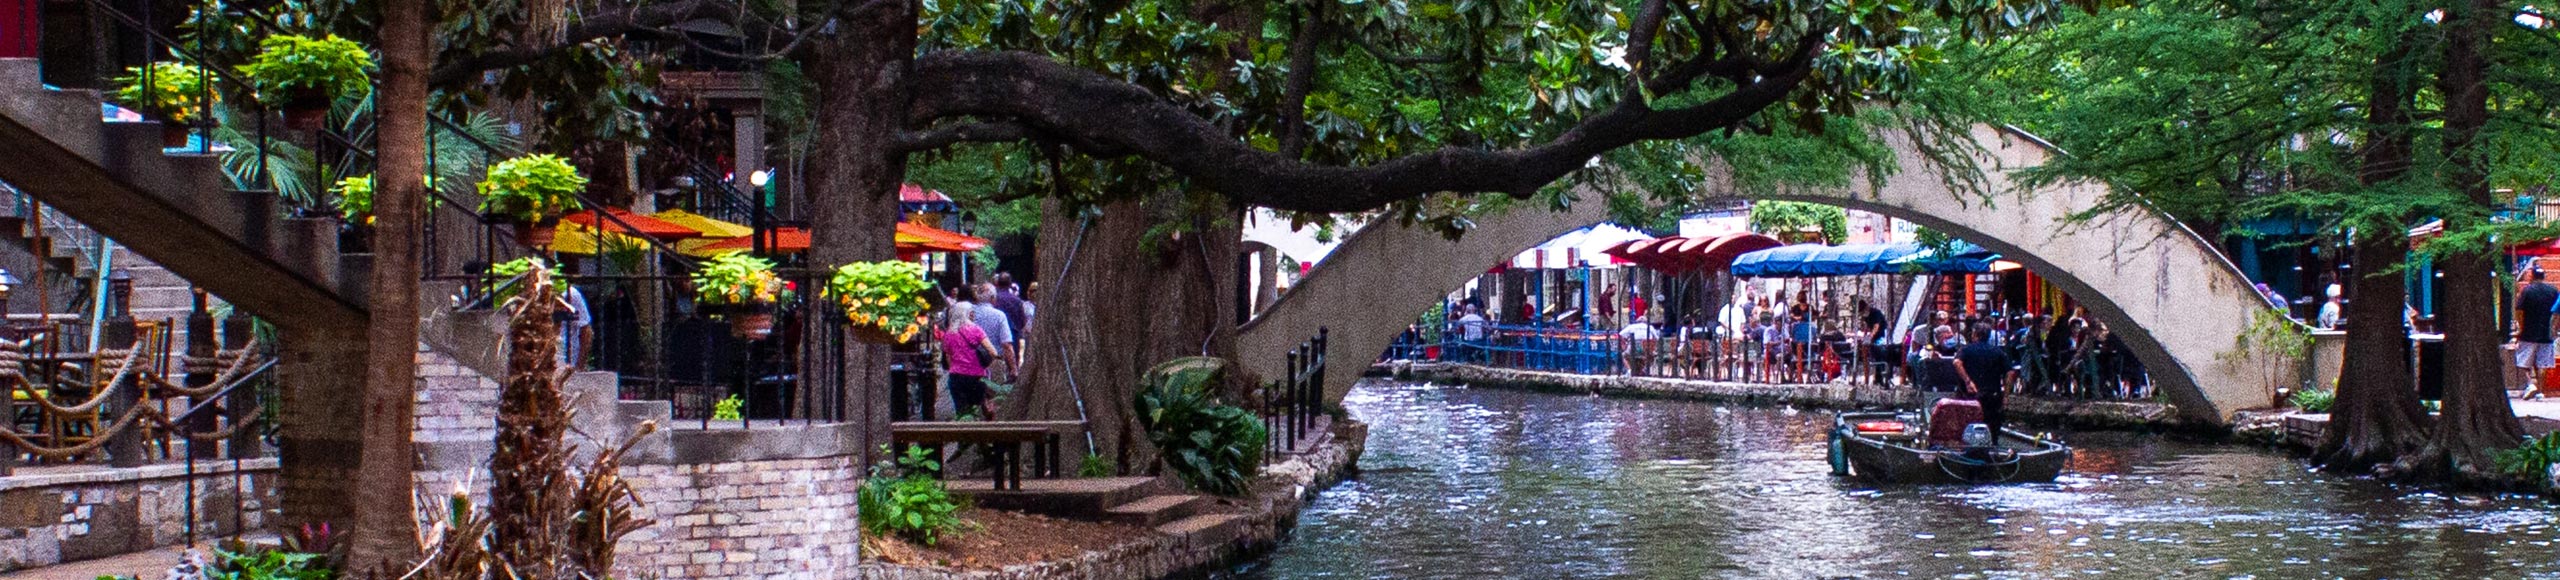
point(386, 526)
point(854, 171)
point(1118, 301)
point(2377, 420)
point(2477, 419)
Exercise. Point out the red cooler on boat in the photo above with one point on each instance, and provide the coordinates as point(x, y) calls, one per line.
point(1948, 418)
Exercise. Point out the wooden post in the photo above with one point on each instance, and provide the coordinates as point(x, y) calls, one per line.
point(125, 449)
point(200, 346)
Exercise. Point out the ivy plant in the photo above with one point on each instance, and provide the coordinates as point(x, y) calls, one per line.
point(173, 91)
point(531, 189)
point(291, 68)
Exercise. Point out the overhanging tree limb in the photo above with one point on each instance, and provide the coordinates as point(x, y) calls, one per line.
point(1102, 114)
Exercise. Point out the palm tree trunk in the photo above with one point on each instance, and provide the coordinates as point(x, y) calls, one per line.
point(385, 535)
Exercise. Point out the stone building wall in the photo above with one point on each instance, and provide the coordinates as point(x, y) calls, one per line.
point(50, 515)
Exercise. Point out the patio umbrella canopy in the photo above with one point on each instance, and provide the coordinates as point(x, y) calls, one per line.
point(1809, 260)
point(622, 221)
point(1965, 258)
point(787, 240)
point(577, 238)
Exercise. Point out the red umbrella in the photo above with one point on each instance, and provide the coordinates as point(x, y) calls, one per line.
point(614, 219)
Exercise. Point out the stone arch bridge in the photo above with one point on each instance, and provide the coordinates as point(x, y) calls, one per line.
point(2176, 300)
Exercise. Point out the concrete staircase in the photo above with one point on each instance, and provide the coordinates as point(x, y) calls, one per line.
point(177, 208)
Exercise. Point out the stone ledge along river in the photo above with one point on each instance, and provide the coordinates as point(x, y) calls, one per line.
point(1485, 483)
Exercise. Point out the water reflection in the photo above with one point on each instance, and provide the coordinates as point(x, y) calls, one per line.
point(1468, 483)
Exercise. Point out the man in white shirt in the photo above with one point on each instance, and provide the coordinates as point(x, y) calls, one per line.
point(1471, 331)
point(1638, 338)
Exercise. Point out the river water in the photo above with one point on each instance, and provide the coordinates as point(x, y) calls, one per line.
point(1483, 483)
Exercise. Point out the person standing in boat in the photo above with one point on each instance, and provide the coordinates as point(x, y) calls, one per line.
point(1987, 370)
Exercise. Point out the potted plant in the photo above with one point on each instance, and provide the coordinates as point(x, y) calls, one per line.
point(303, 75)
point(173, 92)
point(532, 192)
point(742, 289)
point(355, 198)
point(885, 300)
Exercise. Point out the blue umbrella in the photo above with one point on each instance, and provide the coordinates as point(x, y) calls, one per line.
point(1807, 260)
point(1964, 258)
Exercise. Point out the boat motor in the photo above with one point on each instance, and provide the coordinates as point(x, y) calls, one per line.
point(1978, 435)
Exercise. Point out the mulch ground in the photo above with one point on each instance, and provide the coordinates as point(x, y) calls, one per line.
point(997, 538)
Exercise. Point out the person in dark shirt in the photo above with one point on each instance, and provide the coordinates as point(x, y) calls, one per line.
point(1986, 368)
point(1008, 300)
point(2533, 329)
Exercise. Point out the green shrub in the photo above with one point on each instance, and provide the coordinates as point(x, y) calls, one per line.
point(531, 188)
point(2314, 400)
point(268, 564)
point(291, 67)
point(174, 91)
point(1094, 465)
point(914, 505)
point(1215, 447)
point(729, 409)
point(2532, 460)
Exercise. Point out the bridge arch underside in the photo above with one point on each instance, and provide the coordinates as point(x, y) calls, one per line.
point(2177, 302)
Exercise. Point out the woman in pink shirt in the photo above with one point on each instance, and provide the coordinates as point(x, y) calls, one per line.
point(962, 345)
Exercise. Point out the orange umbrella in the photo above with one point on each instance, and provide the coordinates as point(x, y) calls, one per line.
point(919, 238)
point(782, 240)
point(614, 220)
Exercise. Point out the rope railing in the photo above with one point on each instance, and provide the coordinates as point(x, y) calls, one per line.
point(142, 388)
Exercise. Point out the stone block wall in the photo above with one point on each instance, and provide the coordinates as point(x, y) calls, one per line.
point(54, 515)
point(775, 518)
point(455, 403)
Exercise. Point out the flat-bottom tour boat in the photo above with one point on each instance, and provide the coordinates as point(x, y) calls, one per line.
point(1902, 447)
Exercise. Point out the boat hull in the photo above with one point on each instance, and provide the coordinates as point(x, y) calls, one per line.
point(2022, 459)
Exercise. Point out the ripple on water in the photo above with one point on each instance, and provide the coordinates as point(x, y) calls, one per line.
point(1480, 483)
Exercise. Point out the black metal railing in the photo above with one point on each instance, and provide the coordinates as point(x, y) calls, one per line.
point(1292, 411)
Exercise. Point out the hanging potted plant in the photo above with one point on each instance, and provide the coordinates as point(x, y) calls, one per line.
point(304, 75)
point(173, 92)
point(884, 300)
point(355, 198)
point(531, 192)
point(742, 289)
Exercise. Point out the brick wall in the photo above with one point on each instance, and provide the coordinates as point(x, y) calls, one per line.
point(781, 518)
point(60, 514)
point(455, 403)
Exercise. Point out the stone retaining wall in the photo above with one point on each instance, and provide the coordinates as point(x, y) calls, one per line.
point(2089, 414)
point(776, 518)
point(1279, 494)
point(51, 515)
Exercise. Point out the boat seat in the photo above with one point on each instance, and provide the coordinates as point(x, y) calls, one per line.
point(1948, 418)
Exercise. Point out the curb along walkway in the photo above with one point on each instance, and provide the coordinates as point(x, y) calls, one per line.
point(2076, 413)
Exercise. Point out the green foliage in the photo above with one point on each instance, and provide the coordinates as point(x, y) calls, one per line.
point(2314, 400)
point(888, 294)
point(1785, 219)
point(1215, 447)
point(728, 409)
point(509, 277)
point(738, 278)
point(292, 67)
point(914, 505)
point(174, 91)
point(531, 188)
point(2532, 460)
point(355, 198)
point(1434, 321)
point(268, 564)
point(1093, 465)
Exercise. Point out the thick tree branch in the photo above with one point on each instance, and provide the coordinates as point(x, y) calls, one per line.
point(937, 138)
point(1091, 110)
point(638, 19)
point(1302, 77)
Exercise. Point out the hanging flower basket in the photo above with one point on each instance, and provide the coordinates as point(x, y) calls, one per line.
point(306, 111)
point(173, 93)
point(884, 301)
point(531, 192)
point(742, 289)
point(304, 75)
point(173, 135)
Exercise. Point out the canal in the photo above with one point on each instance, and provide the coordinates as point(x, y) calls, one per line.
point(1484, 483)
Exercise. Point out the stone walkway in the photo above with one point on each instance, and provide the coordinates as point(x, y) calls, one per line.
point(150, 565)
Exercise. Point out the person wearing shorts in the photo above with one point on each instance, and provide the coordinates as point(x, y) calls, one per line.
point(2533, 329)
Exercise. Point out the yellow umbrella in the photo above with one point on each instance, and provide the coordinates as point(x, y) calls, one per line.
point(574, 238)
point(710, 228)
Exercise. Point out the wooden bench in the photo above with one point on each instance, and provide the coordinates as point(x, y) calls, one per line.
point(1005, 437)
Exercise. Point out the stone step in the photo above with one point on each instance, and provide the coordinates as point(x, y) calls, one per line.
point(1081, 498)
point(1155, 510)
point(1205, 530)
